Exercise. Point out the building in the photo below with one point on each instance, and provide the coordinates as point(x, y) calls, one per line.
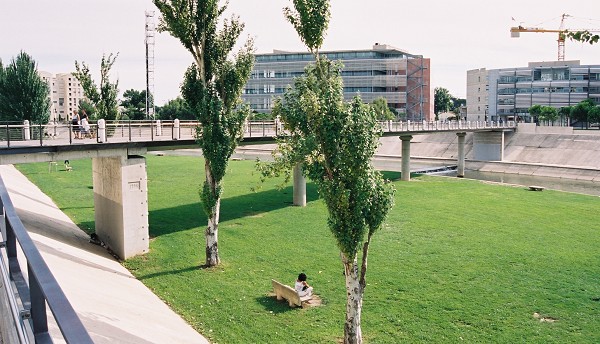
point(66, 94)
point(401, 78)
point(508, 93)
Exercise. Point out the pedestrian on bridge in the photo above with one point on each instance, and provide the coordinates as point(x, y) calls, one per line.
point(75, 123)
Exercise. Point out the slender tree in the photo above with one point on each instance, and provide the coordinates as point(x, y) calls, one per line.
point(442, 101)
point(334, 142)
point(382, 109)
point(104, 99)
point(24, 95)
point(212, 87)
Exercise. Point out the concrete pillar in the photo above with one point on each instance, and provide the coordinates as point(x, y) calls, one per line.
point(405, 157)
point(488, 145)
point(158, 128)
point(101, 130)
point(460, 172)
point(176, 129)
point(299, 186)
point(121, 204)
point(26, 131)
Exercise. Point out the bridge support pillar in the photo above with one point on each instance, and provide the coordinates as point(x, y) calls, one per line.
point(405, 157)
point(488, 146)
point(461, 155)
point(121, 204)
point(299, 186)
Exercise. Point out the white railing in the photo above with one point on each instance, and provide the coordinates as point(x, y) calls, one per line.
point(55, 134)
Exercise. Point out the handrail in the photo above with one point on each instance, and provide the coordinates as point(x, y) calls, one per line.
point(53, 134)
point(42, 288)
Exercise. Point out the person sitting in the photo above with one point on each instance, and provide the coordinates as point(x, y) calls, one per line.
point(301, 287)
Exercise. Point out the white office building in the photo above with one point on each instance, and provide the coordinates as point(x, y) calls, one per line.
point(65, 94)
point(508, 93)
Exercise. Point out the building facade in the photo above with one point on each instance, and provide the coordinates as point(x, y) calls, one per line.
point(401, 78)
point(508, 93)
point(66, 94)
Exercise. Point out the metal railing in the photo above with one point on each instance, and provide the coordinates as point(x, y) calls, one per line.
point(54, 134)
point(27, 295)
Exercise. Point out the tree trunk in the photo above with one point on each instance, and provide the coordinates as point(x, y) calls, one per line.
point(354, 292)
point(212, 230)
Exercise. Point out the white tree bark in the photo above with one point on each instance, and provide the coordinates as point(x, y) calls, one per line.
point(212, 230)
point(354, 292)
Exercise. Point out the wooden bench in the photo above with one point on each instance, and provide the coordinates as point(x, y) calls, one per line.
point(536, 188)
point(283, 291)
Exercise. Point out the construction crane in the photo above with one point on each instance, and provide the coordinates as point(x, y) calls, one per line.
point(516, 31)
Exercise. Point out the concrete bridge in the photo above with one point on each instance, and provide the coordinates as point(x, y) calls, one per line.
point(119, 168)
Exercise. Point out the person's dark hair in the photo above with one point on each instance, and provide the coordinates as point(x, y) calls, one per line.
point(302, 277)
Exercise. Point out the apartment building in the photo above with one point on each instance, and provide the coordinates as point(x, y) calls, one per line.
point(65, 94)
point(403, 79)
point(508, 93)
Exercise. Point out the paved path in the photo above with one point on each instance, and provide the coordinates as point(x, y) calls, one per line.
point(113, 305)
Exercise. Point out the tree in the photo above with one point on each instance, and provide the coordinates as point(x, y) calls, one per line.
point(24, 95)
point(442, 101)
point(88, 107)
point(103, 99)
point(549, 114)
point(565, 112)
point(584, 36)
point(580, 112)
point(535, 111)
point(175, 109)
point(334, 142)
point(594, 114)
point(211, 88)
point(382, 110)
point(134, 103)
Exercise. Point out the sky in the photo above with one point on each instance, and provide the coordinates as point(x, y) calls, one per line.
point(456, 35)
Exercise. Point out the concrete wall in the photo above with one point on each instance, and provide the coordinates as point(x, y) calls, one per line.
point(580, 149)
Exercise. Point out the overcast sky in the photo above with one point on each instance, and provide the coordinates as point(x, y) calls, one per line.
point(457, 35)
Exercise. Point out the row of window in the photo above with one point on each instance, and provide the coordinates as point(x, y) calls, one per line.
point(508, 91)
point(271, 89)
point(549, 76)
point(343, 55)
point(271, 74)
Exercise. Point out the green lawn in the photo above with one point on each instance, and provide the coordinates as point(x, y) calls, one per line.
point(458, 261)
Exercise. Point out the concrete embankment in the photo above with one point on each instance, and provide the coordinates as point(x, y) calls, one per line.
point(538, 151)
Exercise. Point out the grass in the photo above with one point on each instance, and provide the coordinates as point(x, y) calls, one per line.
point(458, 260)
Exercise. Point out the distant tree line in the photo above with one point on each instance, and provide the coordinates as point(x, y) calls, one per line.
point(585, 111)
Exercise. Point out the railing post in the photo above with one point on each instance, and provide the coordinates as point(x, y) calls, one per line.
point(263, 127)
point(129, 129)
point(26, 131)
point(101, 135)
point(41, 135)
point(176, 129)
point(151, 130)
point(38, 304)
point(158, 128)
point(7, 136)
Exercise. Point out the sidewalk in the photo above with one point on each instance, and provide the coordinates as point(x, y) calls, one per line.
point(113, 305)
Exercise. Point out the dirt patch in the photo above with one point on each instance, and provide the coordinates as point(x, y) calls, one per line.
point(543, 318)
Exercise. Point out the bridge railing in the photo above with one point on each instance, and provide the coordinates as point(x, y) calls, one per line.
point(19, 134)
point(24, 318)
point(394, 126)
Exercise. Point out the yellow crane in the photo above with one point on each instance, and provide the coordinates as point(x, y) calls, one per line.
point(516, 31)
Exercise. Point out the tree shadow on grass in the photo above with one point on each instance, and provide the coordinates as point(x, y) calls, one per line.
point(188, 216)
point(271, 304)
point(169, 272)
